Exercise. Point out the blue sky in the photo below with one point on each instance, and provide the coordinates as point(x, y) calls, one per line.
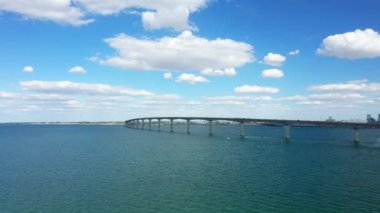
point(93, 60)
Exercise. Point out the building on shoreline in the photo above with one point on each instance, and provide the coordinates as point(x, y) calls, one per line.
point(371, 120)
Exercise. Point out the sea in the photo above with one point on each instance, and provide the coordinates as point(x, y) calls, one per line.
point(98, 168)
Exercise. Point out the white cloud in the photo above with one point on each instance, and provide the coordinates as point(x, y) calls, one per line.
point(68, 87)
point(191, 79)
point(218, 72)
point(61, 11)
point(164, 18)
point(294, 52)
point(352, 45)
point(228, 98)
point(225, 102)
point(8, 95)
point(77, 69)
point(211, 72)
point(233, 100)
point(262, 98)
point(336, 96)
point(168, 75)
point(28, 69)
point(328, 99)
point(155, 14)
point(358, 81)
point(255, 89)
point(185, 52)
point(230, 72)
point(239, 98)
point(272, 73)
point(274, 59)
point(45, 97)
point(168, 97)
point(294, 98)
point(359, 85)
point(163, 99)
point(311, 102)
point(34, 97)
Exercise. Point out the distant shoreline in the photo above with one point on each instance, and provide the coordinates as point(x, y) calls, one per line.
point(104, 123)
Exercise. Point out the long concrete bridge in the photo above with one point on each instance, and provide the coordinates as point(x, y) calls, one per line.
point(141, 122)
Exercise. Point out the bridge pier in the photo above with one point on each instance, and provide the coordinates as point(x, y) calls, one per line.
point(171, 125)
point(159, 125)
point(287, 132)
point(210, 128)
point(356, 135)
point(188, 126)
point(242, 132)
point(150, 124)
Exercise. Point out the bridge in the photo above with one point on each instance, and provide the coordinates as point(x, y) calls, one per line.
point(287, 124)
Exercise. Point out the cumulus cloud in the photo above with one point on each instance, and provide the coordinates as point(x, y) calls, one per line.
point(274, 59)
point(68, 87)
point(77, 69)
point(191, 79)
point(164, 18)
point(211, 72)
point(155, 14)
point(184, 53)
point(58, 11)
point(256, 89)
point(352, 45)
point(294, 52)
point(168, 75)
point(218, 72)
point(28, 69)
point(272, 73)
point(230, 72)
point(359, 85)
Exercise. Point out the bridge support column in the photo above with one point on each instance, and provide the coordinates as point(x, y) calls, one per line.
point(188, 126)
point(242, 133)
point(356, 135)
point(171, 125)
point(159, 125)
point(143, 123)
point(210, 128)
point(150, 124)
point(287, 132)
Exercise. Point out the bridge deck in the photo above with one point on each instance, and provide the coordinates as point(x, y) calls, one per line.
point(270, 121)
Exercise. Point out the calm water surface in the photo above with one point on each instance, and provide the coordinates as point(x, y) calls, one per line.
point(69, 168)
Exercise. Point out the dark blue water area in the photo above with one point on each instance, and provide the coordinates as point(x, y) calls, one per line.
point(79, 168)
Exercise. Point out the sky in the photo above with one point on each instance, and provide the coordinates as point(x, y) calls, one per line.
point(96, 60)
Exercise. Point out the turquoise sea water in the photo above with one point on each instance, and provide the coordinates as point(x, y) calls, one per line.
point(75, 168)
